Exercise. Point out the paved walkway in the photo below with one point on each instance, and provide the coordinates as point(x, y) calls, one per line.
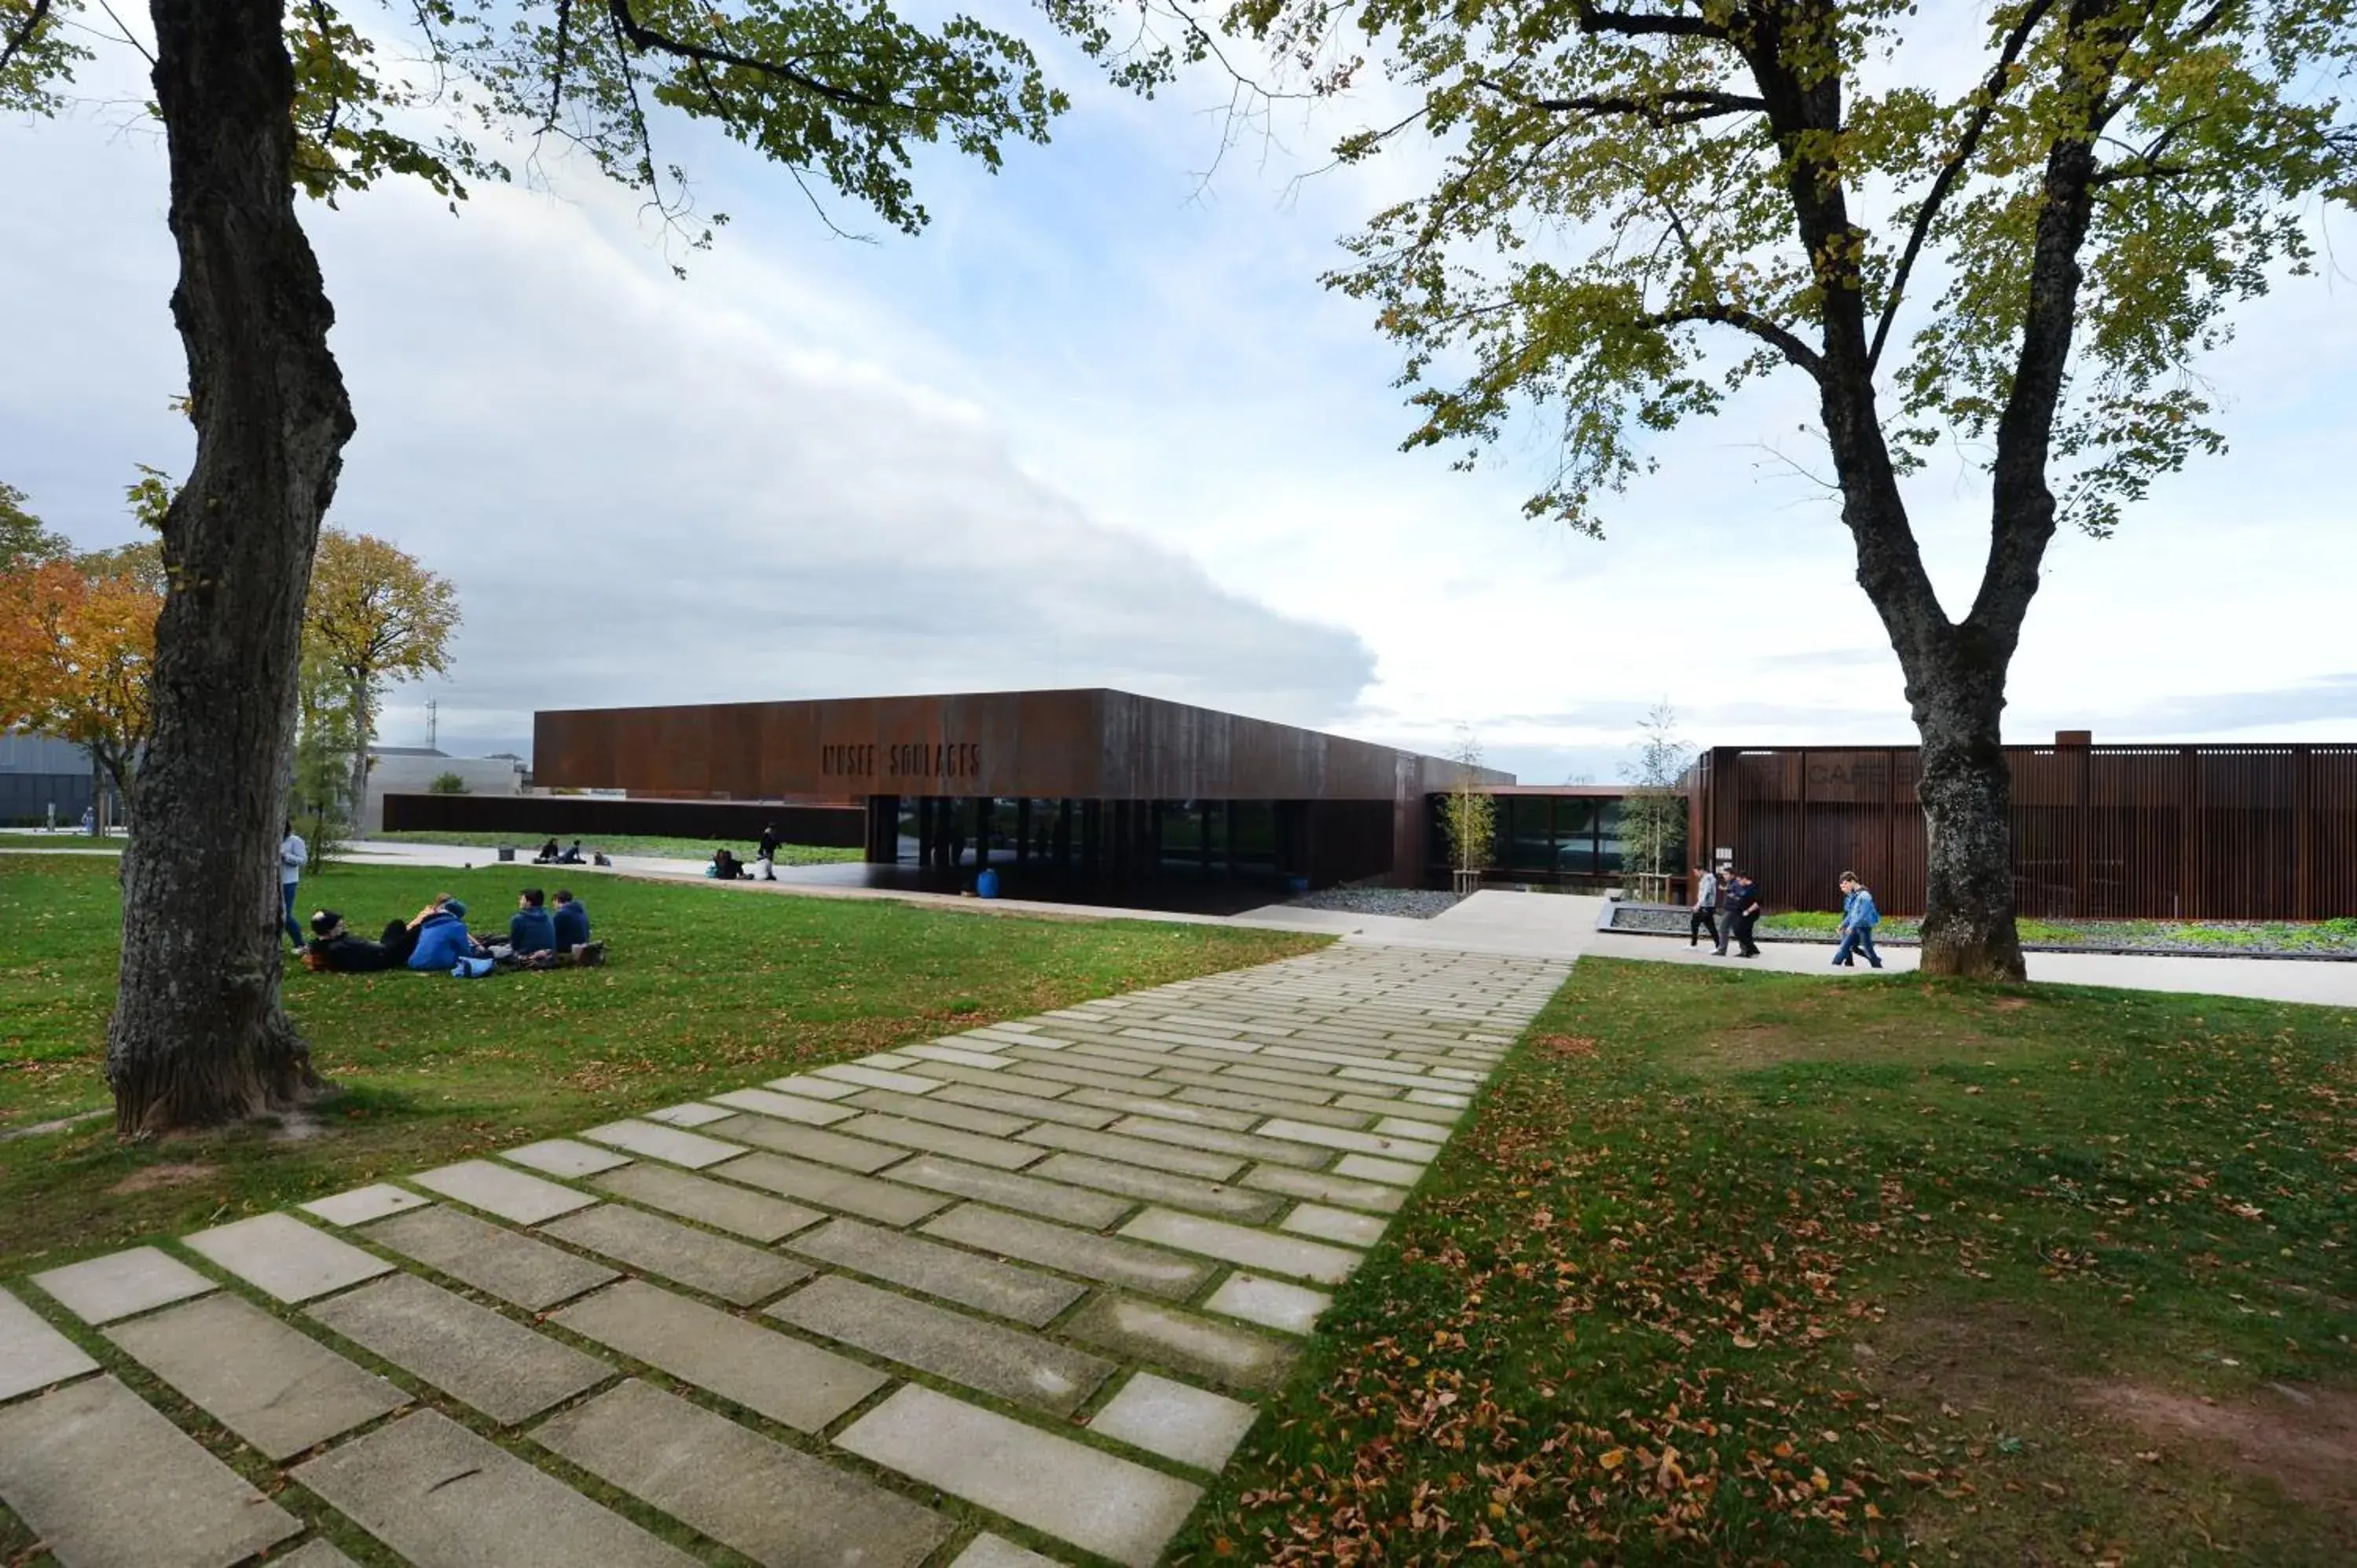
point(998, 1300)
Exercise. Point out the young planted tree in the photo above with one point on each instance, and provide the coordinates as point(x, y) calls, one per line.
point(257, 99)
point(1653, 811)
point(23, 541)
point(376, 617)
point(1647, 204)
point(1468, 814)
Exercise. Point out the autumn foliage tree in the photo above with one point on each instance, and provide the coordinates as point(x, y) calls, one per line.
point(77, 646)
point(375, 617)
point(2018, 248)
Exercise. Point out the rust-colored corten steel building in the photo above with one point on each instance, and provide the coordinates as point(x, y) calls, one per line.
point(2210, 833)
point(1091, 784)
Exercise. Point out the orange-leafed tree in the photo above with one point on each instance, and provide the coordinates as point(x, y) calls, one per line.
point(77, 647)
point(376, 616)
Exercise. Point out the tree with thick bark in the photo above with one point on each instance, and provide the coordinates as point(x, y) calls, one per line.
point(1646, 204)
point(260, 98)
point(376, 616)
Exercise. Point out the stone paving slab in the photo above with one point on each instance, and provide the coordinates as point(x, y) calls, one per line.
point(1177, 1107)
point(808, 1142)
point(478, 1357)
point(1123, 1263)
point(780, 1508)
point(1406, 1107)
point(1210, 1348)
point(798, 1108)
point(691, 1114)
point(1271, 1303)
point(877, 1078)
point(1023, 1194)
point(812, 1088)
point(788, 1380)
point(273, 1385)
point(363, 1204)
point(1159, 1187)
point(1051, 1071)
point(972, 1147)
point(1204, 1077)
point(444, 1497)
point(288, 1259)
point(495, 1189)
point(949, 1272)
point(1214, 1140)
point(1020, 1368)
point(1367, 1167)
point(101, 1290)
point(672, 1145)
point(988, 1550)
point(315, 1554)
point(105, 1481)
point(32, 1354)
point(1029, 1107)
point(696, 1259)
point(947, 1113)
point(1140, 1152)
point(713, 1203)
point(565, 1158)
point(1191, 1425)
point(863, 1196)
point(1243, 1244)
point(1333, 1224)
point(1110, 1506)
point(494, 1259)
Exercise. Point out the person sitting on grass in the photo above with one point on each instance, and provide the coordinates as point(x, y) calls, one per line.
point(571, 856)
point(333, 946)
point(571, 918)
point(529, 930)
point(442, 938)
point(726, 865)
point(547, 856)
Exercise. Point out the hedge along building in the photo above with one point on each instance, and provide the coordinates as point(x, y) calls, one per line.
point(1048, 786)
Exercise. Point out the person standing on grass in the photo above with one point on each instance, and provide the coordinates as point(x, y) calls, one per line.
point(770, 853)
point(294, 854)
point(1859, 917)
point(1706, 899)
point(1745, 907)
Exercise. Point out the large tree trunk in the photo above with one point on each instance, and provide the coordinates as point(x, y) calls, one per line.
point(197, 1037)
point(1967, 796)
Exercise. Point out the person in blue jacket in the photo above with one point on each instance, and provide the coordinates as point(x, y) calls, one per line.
point(1859, 917)
point(442, 938)
point(571, 918)
point(530, 930)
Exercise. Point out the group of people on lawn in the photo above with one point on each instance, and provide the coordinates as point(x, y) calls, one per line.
point(437, 937)
point(1728, 905)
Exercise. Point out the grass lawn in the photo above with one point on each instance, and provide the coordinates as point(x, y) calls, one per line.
point(1756, 1268)
point(706, 988)
point(529, 845)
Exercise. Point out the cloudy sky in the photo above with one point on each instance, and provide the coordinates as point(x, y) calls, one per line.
point(1100, 426)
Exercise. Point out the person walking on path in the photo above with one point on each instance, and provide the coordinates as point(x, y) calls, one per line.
point(1745, 907)
point(1706, 899)
point(770, 853)
point(1859, 917)
point(1726, 906)
point(294, 854)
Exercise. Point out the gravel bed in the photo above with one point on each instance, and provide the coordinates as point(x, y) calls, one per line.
point(1407, 903)
point(2169, 938)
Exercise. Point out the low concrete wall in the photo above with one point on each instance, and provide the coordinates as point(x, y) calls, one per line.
point(535, 818)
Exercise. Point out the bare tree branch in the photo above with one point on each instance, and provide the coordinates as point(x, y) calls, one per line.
point(2000, 77)
point(145, 53)
point(557, 64)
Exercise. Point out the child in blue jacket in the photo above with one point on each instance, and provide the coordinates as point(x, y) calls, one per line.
point(1859, 917)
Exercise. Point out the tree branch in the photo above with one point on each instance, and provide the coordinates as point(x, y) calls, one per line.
point(24, 35)
point(1735, 316)
point(650, 41)
point(1691, 105)
point(556, 63)
point(2000, 77)
point(1633, 23)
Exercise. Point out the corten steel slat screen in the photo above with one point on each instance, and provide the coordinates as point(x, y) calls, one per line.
point(2212, 833)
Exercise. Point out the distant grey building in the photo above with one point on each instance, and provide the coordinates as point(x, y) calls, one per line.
point(39, 771)
point(412, 770)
